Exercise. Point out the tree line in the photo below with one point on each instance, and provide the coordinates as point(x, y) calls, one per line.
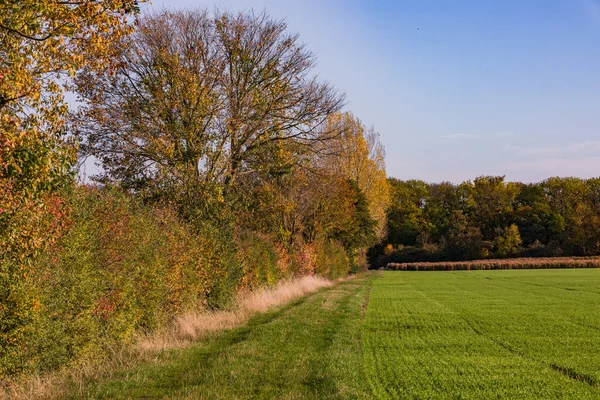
point(225, 163)
point(221, 115)
point(490, 218)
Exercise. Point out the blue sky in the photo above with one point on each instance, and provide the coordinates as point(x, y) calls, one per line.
point(459, 89)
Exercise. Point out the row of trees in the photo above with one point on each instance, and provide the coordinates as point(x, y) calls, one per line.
point(215, 118)
point(489, 217)
point(221, 116)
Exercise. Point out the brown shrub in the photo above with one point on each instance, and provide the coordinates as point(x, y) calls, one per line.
point(515, 263)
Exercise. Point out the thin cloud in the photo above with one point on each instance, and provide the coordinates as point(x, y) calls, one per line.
point(588, 148)
point(461, 136)
point(542, 168)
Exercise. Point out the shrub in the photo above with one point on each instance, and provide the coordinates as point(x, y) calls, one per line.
point(259, 260)
point(331, 258)
point(124, 268)
point(121, 269)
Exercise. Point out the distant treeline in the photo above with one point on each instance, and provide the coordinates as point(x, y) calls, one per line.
point(490, 218)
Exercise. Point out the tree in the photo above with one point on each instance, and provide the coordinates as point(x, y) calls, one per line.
point(359, 232)
point(406, 219)
point(490, 203)
point(462, 241)
point(571, 199)
point(508, 242)
point(536, 219)
point(42, 45)
point(443, 199)
point(356, 153)
point(199, 100)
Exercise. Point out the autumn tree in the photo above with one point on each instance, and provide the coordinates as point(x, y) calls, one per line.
point(200, 99)
point(356, 153)
point(508, 241)
point(43, 44)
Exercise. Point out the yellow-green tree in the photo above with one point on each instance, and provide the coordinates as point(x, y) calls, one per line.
point(42, 45)
point(356, 153)
point(508, 241)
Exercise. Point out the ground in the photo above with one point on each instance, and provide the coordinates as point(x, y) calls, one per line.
point(469, 334)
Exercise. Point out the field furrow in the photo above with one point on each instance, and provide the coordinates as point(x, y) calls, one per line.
point(484, 334)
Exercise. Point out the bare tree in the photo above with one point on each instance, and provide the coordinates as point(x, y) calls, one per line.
point(199, 99)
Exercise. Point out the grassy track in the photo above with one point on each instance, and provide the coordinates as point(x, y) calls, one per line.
point(484, 335)
point(510, 334)
point(308, 349)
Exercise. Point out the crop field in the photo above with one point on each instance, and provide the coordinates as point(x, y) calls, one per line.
point(484, 334)
point(506, 334)
point(513, 263)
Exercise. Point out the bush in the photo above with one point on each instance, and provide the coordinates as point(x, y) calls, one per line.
point(121, 269)
point(259, 260)
point(125, 268)
point(331, 259)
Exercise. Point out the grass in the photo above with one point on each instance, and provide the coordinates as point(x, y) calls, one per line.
point(306, 349)
point(509, 334)
point(513, 263)
point(186, 329)
point(484, 335)
point(191, 326)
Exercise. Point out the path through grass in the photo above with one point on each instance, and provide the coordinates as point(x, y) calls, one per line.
point(307, 349)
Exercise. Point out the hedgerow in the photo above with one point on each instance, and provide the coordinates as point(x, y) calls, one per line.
point(212, 179)
point(124, 268)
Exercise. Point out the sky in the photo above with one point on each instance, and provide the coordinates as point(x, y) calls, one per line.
point(459, 89)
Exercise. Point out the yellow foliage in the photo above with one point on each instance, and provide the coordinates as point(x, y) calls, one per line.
point(43, 43)
point(358, 154)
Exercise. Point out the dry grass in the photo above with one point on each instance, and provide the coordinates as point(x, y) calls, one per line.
point(514, 263)
point(185, 329)
point(192, 326)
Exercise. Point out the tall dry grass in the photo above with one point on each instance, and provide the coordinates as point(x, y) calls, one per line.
point(514, 263)
point(194, 325)
point(185, 329)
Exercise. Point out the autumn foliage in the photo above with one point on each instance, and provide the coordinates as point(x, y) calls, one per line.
point(225, 166)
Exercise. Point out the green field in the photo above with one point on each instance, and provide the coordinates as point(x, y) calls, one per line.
point(484, 334)
point(476, 334)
